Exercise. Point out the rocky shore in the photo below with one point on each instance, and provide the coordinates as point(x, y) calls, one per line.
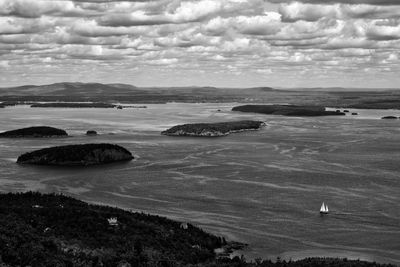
point(213, 129)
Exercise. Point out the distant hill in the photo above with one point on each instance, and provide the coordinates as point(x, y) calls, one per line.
point(341, 89)
point(98, 92)
point(70, 89)
point(92, 89)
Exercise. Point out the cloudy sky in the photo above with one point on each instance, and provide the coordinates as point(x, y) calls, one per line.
point(226, 43)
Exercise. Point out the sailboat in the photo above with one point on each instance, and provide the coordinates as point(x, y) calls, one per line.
point(324, 209)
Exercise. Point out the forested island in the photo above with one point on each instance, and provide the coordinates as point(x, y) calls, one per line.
point(389, 118)
point(213, 129)
point(288, 110)
point(91, 132)
point(56, 230)
point(76, 155)
point(35, 131)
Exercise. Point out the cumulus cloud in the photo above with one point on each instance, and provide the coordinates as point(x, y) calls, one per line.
point(163, 61)
point(38, 8)
point(382, 32)
point(9, 26)
point(351, 2)
point(4, 64)
point(185, 12)
point(258, 25)
point(90, 28)
point(299, 11)
point(256, 39)
point(313, 12)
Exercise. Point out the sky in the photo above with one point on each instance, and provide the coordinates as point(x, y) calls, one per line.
point(223, 43)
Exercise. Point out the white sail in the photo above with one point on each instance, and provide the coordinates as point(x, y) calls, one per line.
point(322, 207)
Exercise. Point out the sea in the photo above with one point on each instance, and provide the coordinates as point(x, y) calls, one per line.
point(263, 188)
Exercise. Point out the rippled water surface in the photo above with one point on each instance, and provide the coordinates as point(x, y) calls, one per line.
point(260, 187)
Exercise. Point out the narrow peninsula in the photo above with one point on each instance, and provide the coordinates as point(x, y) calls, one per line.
point(288, 110)
point(213, 129)
point(36, 131)
point(77, 155)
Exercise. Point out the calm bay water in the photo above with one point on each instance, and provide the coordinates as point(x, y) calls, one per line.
point(260, 187)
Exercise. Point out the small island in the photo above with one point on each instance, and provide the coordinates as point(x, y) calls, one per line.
point(91, 133)
point(389, 118)
point(288, 110)
point(35, 131)
point(76, 155)
point(72, 105)
point(129, 106)
point(213, 129)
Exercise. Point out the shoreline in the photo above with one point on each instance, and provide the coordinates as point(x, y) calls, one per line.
point(334, 253)
point(296, 255)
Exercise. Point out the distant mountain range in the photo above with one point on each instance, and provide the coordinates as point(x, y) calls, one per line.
point(124, 93)
point(79, 89)
point(67, 91)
